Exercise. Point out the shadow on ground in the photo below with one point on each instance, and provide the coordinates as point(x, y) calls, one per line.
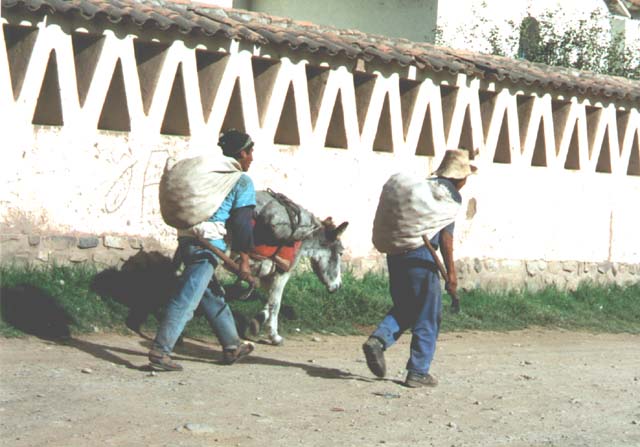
point(34, 311)
point(144, 285)
point(189, 353)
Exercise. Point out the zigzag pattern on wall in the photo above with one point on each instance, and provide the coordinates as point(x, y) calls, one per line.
point(83, 81)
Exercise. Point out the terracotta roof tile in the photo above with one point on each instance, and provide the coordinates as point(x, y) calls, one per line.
point(262, 29)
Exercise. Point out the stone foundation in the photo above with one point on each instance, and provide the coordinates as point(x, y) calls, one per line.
point(102, 251)
point(506, 274)
point(473, 273)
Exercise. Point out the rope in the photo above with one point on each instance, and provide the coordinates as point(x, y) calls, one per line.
point(292, 209)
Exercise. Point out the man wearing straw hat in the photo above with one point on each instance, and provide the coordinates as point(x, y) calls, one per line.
point(410, 208)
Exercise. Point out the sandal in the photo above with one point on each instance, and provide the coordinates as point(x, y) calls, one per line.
point(162, 362)
point(230, 356)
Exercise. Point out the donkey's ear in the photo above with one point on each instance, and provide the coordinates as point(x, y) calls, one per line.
point(335, 234)
point(343, 226)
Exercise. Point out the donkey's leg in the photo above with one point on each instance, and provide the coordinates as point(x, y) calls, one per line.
point(263, 270)
point(258, 320)
point(273, 306)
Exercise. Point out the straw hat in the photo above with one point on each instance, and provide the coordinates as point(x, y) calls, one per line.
point(455, 165)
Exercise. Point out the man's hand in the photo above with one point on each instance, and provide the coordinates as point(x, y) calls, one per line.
point(245, 270)
point(451, 286)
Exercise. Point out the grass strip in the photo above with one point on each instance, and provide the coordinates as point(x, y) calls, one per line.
point(64, 300)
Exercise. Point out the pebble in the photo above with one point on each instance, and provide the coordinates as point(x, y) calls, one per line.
point(87, 370)
point(452, 425)
point(316, 339)
point(635, 422)
point(153, 374)
point(477, 402)
point(195, 428)
point(387, 395)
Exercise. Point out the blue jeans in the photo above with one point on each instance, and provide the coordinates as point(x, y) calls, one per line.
point(195, 289)
point(417, 304)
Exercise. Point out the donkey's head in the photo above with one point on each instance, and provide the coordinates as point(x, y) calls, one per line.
point(325, 253)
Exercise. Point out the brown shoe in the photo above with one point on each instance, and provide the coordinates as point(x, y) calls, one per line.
point(230, 356)
point(161, 361)
point(415, 380)
point(374, 353)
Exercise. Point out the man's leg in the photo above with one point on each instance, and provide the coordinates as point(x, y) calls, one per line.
point(195, 280)
point(398, 319)
point(405, 294)
point(222, 323)
point(426, 329)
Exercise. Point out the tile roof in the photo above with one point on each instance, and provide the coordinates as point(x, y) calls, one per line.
point(262, 29)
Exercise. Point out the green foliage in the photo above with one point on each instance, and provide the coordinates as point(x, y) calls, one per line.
point(591, 307)
point(584, 44)
point(588, 44)
point(62, 296)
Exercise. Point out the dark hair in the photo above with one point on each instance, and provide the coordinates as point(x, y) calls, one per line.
point(233, 141)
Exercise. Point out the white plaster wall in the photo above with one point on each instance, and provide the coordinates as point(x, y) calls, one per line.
point(536, 214)
point(77, 178)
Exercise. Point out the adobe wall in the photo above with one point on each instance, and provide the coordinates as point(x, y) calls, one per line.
point(89, 121)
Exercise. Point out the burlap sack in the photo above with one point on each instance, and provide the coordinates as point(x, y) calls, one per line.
point(410, 207)
point(283, 220)
point(191, 190)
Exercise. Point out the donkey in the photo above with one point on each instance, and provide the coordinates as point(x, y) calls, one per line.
point(323, 248)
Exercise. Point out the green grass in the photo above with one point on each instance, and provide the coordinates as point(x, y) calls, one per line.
point(46, 301)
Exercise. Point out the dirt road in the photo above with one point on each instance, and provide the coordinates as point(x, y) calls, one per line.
point(528, 388)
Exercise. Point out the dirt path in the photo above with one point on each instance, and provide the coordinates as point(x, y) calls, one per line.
point(528, 388)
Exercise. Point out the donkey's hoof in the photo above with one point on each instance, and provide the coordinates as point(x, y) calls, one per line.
point(277, 340)
point(254, 327)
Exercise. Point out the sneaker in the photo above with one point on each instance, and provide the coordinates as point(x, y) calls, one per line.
point(230, 356)
point(161, 361)
point(374, 353)
point(415, 380)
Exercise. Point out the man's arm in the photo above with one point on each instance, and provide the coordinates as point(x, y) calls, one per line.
point(446, 248)
point(241, 223)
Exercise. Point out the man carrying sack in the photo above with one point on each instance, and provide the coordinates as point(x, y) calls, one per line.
point(224, 177)
point(410, 208)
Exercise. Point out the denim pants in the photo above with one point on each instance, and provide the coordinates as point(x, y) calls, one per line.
point(417, 304)
point(195, 289)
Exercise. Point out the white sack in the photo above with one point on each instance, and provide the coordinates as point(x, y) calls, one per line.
point(410, 207)
point(192, 189)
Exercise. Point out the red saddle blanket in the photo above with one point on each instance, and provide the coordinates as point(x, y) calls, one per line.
point(283, 254)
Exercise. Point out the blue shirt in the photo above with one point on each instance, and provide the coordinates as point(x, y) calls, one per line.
point(242, 194)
